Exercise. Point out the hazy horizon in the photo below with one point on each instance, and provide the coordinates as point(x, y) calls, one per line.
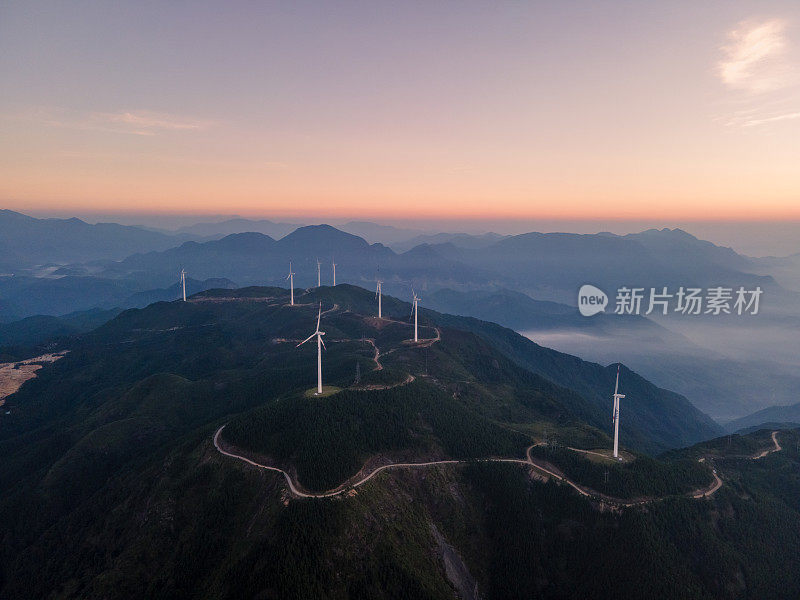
point(760, 238)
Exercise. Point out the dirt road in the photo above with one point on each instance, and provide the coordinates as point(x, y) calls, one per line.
point(776, 448)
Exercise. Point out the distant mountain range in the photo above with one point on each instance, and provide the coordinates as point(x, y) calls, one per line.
point(250, 258)
point(459, 240)
point(786, 269)
point(231, 226)
point(26, 296)
point(27, 242)
point(521, 312)
point(548, 266)
point(787, 416)
point(553, 265)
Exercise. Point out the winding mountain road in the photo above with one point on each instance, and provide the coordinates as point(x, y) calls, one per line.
point(528, 461)
point(377, 356)
point(338, 490)
point(711, 490)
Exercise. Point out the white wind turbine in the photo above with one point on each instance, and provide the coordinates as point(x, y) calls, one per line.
point(615, 417)
point(183, 283)
point(333, 262)
point(319, 281)
point(378, 296)
point(414, 311)
point(290, 277)
point(320, 346)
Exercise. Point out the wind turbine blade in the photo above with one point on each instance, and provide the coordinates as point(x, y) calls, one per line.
point(321, 341)
point(305, 340)
point(616, 385)
point(319, 316)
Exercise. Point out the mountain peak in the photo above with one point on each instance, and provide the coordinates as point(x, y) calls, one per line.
point(324, 237)
point(667, 232)
point(10, 216)
point(248, 241)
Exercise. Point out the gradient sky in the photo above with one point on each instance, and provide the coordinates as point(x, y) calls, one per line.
point(456, 110)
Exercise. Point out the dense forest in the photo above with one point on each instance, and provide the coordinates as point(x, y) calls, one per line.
point(329, 440)
point(642, 477)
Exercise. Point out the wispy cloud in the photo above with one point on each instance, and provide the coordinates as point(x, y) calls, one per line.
point(762, 121)
point(151, 121)
point(130, 122)
point(756, 57)
point(759, 67)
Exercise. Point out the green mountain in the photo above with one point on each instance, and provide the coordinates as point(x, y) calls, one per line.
point(654, 418)
point(113, 486)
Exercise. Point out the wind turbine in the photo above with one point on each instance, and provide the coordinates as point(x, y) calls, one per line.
point(319, 281)
point(378, 296)
point(183, 283)
point(290, 277)
point(320, 346)
point(615, 417)
point(334, 272)
point(414, 311)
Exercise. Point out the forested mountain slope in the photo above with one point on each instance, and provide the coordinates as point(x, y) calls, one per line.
point(114, 488)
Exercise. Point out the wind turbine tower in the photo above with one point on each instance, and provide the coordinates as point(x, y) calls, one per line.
point(320, 346)
point(378, 296)
point(414, 309)
point(319, 281)
point(183, 284)
point(333, 262)
point(617, 398)
point(290, 277)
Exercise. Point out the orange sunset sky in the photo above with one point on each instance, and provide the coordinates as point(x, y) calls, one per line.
point(463, 110)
